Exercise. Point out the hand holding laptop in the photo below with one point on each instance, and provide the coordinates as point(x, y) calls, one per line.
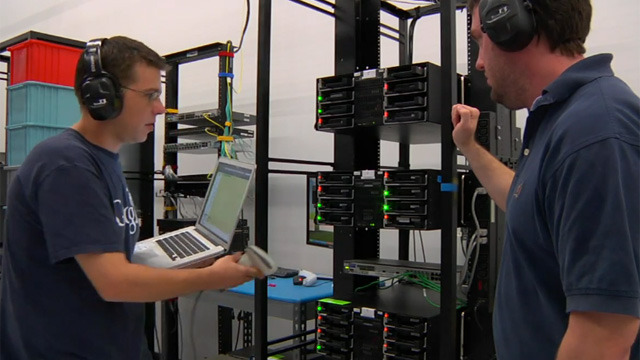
point(200, 245)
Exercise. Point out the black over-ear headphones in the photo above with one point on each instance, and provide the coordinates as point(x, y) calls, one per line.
point(100, 91)
point(510, 24)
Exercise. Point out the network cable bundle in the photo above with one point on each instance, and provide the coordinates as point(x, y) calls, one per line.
point(213, 129)
point(206, 130)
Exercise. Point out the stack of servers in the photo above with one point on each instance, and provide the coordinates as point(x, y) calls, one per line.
point(41, 99)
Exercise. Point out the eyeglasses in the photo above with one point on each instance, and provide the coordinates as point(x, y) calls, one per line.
point(152, 95)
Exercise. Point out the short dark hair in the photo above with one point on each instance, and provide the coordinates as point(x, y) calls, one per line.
point(565, 24)
point(119, 55)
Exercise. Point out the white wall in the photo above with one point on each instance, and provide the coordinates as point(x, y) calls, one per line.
point(302, 50)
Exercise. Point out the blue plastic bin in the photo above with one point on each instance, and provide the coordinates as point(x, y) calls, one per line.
point(22, 138)
point(37, 103)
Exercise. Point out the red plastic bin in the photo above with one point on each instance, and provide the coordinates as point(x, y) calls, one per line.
point(37, 60)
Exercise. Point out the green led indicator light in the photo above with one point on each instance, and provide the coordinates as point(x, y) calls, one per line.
point(319, 98)
point(346, 267)
point(386, 193)
point(319, 111)
point(386, 207)
point(319, 347)
point(319, 308)
point(372, 224)
point(319, 205)
point(319, 217)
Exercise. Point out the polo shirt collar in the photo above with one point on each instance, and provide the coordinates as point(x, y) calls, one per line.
point(577, 75)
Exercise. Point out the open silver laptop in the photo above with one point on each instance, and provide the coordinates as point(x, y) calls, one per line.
point(210, 238)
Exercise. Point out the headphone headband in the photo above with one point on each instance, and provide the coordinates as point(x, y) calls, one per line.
point(510, 24)
point(92, 58)
point(100, 91)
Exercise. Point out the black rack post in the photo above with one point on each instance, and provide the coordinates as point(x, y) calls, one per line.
point(169, 323)
point(262, 170)
point(448, 316)
point(171, 159)
point(404, 149)
point(169, 308)
point(357, 47)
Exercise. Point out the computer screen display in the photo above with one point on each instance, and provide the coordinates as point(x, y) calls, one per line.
point(224, 200)
point(319, 235)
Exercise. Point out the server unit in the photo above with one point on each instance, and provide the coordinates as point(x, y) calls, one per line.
point(368, 199)
point(369, 107)
point(336, 103)
point(412, 199)
point(335, 204)
point(409, 337)
point(403, 199)
point(335, 329)
point(399, 103)
point(368, 334)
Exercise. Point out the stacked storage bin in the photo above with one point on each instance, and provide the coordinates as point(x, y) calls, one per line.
point(41, 101)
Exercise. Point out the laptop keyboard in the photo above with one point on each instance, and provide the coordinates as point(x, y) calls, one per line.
point(181, 245)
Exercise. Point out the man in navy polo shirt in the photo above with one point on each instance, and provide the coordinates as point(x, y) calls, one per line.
point(569, 283)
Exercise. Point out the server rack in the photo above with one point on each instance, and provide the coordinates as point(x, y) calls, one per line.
point(357, 48)
point(192, 184)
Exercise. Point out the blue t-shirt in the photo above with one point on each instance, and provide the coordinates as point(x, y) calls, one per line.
point(572, 241)
point(69, 197)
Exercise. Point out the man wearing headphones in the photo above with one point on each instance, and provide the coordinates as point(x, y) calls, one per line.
point(569, 283)
point(69, 288)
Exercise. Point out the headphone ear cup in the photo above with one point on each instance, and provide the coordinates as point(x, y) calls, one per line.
point(102, 97)
point(510, 24)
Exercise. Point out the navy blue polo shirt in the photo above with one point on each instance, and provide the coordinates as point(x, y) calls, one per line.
point(573, 219)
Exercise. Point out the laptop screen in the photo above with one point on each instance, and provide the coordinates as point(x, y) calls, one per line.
point(224, 200)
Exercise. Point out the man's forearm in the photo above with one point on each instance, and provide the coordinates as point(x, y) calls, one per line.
point(146, 284)
point(116, 279)
point(598, 336)
point(572, 348)
point(493, 175)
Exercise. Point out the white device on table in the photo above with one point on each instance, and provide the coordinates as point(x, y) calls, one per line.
point(305, 278)
point(200, 245)
point(254, 256)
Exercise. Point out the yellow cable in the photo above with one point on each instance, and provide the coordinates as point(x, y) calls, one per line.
point(206, 116)
point(211, 133)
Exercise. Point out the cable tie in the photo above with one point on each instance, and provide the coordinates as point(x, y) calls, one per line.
point(227, 75)
point(227, 123)
point(225, 138)
point(226, 53)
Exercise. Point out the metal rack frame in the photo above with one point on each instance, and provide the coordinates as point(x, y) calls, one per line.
point(354, 52)
point(170, 347)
